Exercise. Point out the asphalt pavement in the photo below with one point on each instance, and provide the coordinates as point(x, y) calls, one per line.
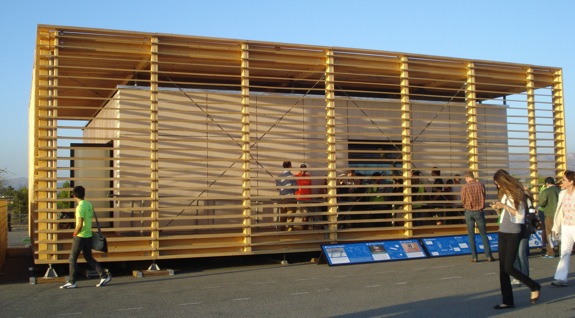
point(260, 286)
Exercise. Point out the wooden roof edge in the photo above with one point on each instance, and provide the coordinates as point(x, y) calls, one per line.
point(436, 58)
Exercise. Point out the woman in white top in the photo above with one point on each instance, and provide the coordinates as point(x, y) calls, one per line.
point(511, 208)
point(564, 227)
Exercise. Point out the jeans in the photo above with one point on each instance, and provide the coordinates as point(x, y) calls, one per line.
point(522, 259)
point(84, 245)
point(472, 218)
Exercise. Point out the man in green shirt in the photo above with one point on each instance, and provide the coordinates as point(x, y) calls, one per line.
point(548, 203)
point(82, 241)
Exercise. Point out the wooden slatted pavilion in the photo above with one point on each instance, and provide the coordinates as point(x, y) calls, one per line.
point(179, 140)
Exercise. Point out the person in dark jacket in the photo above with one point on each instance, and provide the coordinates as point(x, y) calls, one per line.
point(548, 205)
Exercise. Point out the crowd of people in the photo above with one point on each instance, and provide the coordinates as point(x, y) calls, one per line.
point(372, 200)
point(514, 206)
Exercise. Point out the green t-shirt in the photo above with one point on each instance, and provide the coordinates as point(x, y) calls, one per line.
point(85, 210)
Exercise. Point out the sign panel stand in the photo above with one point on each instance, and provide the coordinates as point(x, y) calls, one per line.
point(393, 250)
point(367, 252)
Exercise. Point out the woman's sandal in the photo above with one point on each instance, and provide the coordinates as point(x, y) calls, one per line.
point(536, 298)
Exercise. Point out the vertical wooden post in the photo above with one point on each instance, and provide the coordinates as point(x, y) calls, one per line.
point(3, 232)
point(154, 160)
point(406, 146)
point(52, 145)
point(532, 133)
point(246, 146)
point(38, 117)
point(331, 144)
point(471, 115)
point(559, 124)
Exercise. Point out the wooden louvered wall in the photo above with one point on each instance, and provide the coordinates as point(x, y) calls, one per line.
point(179, 139)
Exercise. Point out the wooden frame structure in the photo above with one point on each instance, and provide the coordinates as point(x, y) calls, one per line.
point(4, 226)
point(179, 140)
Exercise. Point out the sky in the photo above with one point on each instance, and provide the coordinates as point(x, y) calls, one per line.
point(517, 31)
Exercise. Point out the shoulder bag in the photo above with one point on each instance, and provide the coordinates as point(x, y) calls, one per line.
point(99, 242)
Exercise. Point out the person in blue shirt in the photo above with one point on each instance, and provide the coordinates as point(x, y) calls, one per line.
point(287, 184)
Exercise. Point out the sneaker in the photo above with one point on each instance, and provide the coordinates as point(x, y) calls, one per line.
point(559, 283)
point(104, 281)
point(69, 285)
point(548, 256)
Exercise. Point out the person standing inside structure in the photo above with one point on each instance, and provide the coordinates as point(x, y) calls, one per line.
point(418, 194)
point(303, 193)
point(473, 199)
point(288, 185)
point(438, 195)
point(564, 226)
point(82, 241)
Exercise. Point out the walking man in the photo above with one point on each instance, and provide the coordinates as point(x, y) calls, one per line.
point(473, 199)
point(82, 241)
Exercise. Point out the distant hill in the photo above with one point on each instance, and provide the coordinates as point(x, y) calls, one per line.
point(520, 163)
point(16, 183)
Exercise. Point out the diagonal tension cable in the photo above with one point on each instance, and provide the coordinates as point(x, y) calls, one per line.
point(381, 131)
point(232, 138)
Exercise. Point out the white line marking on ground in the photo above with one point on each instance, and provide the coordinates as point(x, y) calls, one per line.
point(300, 293)
point(189, 304)
point(210, 287)
point(453, 277)
point(71, 314)
point(304, 279)
point(133, 308)
point(241, 299)
point(371, 286)
point(174, 290)
point(401, 283)
point(74, 298)
point(263, 283)
point(446, 266)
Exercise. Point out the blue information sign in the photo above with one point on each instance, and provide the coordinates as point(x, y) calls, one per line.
point(446, 245)
point(493, 242)
point(457, 245)
point(366, 252)
point(536, 239)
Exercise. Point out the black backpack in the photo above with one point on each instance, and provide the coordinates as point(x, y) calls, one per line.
point(532, 222)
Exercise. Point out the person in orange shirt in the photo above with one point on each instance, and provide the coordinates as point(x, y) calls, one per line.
point(303, 193)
